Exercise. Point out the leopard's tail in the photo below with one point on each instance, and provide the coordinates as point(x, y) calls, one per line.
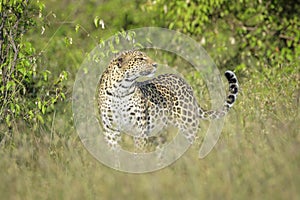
point(231, 98)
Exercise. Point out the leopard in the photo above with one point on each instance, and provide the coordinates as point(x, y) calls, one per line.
point(140, 108)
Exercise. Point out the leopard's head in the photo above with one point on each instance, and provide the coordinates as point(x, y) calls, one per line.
point(130, 65)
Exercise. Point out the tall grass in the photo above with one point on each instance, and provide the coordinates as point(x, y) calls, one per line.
point(257, 156)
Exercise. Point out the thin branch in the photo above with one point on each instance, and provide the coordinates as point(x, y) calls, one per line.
point(16, 52)
point(286, 37)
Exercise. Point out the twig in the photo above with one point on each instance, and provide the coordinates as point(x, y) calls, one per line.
point(286, 37)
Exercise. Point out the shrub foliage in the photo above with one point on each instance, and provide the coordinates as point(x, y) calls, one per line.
point(27, 92)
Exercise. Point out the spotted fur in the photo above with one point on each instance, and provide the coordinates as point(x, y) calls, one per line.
point(141, 108)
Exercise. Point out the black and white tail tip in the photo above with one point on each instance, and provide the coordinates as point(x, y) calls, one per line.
point(233, 88)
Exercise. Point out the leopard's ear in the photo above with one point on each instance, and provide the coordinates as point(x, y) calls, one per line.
point(119, 62)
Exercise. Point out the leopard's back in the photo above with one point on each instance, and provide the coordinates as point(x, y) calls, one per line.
point(170, 101)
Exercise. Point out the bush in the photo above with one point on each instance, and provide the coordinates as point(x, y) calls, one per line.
point(26, 91)
point(241, 33)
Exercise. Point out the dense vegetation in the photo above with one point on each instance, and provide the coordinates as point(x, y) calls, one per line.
point(42, 44)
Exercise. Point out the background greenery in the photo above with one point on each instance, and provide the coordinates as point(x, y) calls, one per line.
point(42, 46)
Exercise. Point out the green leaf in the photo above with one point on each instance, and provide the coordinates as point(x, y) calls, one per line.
point(43, 109)
point(96, 21)
point(240, 67)
point(77, 27)
point(7, 120)
point(40, 118)
point(63, 95)
point(39, 103)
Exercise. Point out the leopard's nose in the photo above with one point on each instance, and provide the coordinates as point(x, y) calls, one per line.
point(154, 64)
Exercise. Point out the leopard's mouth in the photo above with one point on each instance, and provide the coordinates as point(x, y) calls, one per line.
point(148, 73)
point(151, 75)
